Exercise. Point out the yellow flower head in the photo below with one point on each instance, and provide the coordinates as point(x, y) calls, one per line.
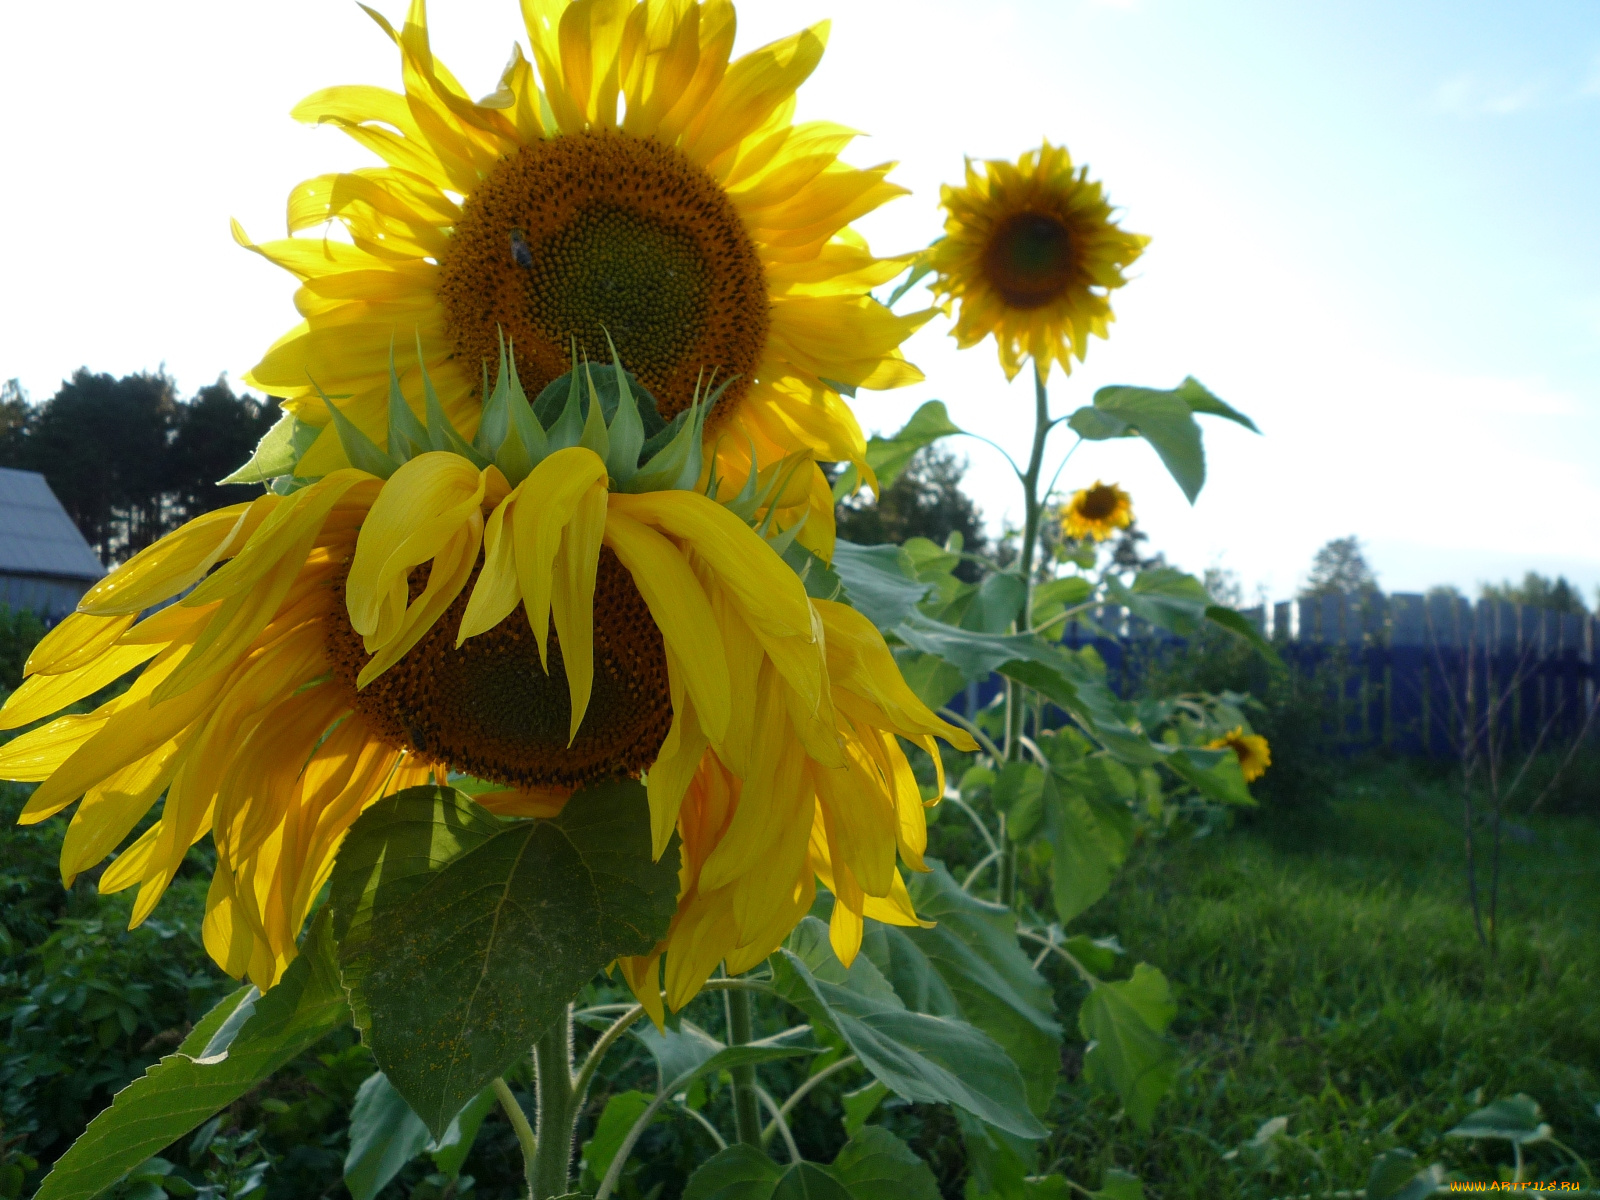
point(1031, 254)
point(1252, 751)
point(557, 603)
point(1095, 511)
point(695, 222)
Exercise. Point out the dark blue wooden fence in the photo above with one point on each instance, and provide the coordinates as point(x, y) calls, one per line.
point(1404, 672)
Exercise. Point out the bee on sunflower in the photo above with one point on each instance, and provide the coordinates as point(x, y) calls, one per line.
point(699, 225)
point(1031, 253)
point(558, 601)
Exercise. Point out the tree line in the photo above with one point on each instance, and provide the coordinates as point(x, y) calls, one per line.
point(129, 459)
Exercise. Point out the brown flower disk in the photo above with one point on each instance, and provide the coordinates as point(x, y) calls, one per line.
point(488, 709)
point(597, 232)
point(1028, 260)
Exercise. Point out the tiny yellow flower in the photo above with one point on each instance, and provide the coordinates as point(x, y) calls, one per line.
point(1254, 755)
point(1095, 511)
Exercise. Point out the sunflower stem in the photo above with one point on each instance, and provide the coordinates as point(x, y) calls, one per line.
point(1016, 701)
point(550, 1171)
point(746, 1100)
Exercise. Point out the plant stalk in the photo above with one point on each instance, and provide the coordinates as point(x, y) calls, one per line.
point(550, 1175)
point(746, 1100)
point(1016, 705)
point(519, 1124)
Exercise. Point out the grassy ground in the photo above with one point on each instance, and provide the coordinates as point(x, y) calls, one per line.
point(1328, 972)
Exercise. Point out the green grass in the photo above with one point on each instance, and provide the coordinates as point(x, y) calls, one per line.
point(1327, 971)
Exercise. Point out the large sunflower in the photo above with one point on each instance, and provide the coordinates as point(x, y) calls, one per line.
point(392, 621)
point(1031, 253)
point(698, 224)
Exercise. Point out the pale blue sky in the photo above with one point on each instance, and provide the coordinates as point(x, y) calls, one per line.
point(1375, 231)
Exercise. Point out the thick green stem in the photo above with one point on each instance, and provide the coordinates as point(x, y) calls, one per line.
point(552, 1061)
point(746, 1101)
point(1033, 508)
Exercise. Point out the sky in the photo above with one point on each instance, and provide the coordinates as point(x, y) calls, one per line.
point(1374, 231)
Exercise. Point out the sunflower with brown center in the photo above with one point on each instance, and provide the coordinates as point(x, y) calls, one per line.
point(552, 604)
point(697, 224)
point(1031, 254)
point(1252, 751)
point(1095, 512)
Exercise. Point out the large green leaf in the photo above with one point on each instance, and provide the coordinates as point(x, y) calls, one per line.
point(1395, 1176)
point(876, 1165)
point(1215, 774)
point(969, 966)
point(385, 1135)
point(1201, 400)
point(921, 1057)
point(621, 1113)
point(1089, 839)
point(186, 1088)
point(1166, 597)
point(888, 456)
point(1511, 1118)
point(1165, 419)
point(873, 1165)
point(996, 604)
point(874, 583)
point(933, 680)
point(1124, 1023)
point(465, 935)
point(1237, 624)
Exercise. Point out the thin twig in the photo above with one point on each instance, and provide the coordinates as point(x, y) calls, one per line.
point(951, 796)
point(972, 875)
point(1083, 972)
point(722, 1142)
point(778, 1119)
point(1583, 735)
point(800, 1093)
point(982, 738)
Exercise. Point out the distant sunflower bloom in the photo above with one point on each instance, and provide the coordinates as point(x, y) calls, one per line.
point(1096, 511)
point(699, 226)
point(556, 603)
point(1252, 751)
point(1031, 254)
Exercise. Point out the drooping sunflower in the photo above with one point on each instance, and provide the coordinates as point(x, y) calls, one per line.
point(697, 224)
point(1251, 749)
point(1094, 512)
point(556, 602)
point(1031, 253)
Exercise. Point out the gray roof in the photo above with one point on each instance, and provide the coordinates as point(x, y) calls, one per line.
point(36, 535)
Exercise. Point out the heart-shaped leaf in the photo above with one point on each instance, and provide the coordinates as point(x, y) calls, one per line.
point(464, 935)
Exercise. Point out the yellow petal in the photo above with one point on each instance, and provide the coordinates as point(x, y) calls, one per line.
point(452, 567)
point(178, 560)
point(572, 597)
point(128, 867)
point(44, 694)
point(111, 810)
point(422, 506)
point(35, 755)
point(75, 642)
point(553, 488)
point(674, 770)
point(682, 613)
point(496, 593)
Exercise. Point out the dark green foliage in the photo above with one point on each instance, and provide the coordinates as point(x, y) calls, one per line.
point(1537, 590)
point(1340, 567)
point(925, 500)
point(127, 458)
point(1327, 971)
point(20, 631)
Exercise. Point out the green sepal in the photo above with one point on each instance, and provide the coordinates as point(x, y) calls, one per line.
point(277, 452)
point(361, 451)
point(567, 428)
point(627, 430)
point(595, 435)
point(673, 457)
point(525, 446)
point(408, 437)
point(442, 435)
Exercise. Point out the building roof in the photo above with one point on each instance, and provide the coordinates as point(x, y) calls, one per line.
point(36, 535)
